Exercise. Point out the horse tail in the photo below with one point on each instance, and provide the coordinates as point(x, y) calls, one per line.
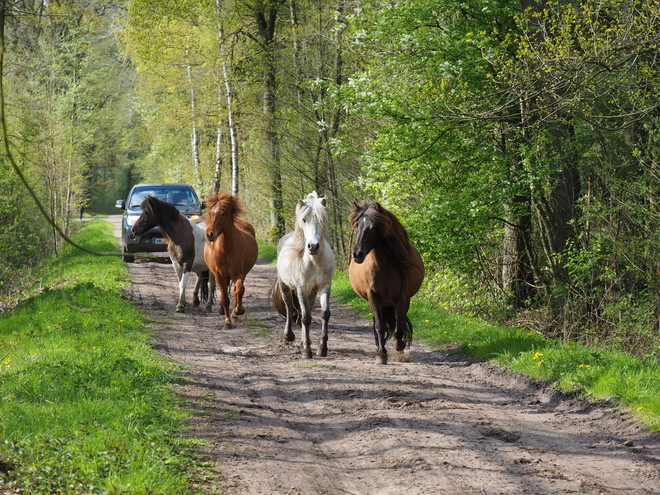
point(390, 321)
point(276, 297)
point(279, 304)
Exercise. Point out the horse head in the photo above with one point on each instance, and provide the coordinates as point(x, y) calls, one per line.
point(374, 225)
point(154, 212)
point(311, 221)
point(369, 222)
point(223, 210)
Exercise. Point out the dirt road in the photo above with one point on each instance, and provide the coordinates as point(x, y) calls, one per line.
point(427, 424)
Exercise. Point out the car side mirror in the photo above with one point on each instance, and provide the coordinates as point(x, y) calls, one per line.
point(203, 205)
point(121, 204)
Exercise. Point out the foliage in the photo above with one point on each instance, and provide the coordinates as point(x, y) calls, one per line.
point(516, 141)
point(86, 405)
point(519, 149)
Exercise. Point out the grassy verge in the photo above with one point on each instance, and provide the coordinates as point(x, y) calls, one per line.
point(85, 403)
point(268, 251)
point(628, 382)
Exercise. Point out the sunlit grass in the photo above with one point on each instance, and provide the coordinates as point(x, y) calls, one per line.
point(624, 380)
point(85, 402)
point(267, 250)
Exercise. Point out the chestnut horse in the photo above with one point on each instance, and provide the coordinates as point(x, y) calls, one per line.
point(185, 245)
point(230, 251)
point(305, 265)
point(386, 270)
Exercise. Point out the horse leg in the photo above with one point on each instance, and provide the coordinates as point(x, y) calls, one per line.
point(209, 298)
point(400, 311)
point(380, 329)
point(306, 305)
point(182, 275)
point(287, 297)
point(223, 286)
point(322, 350)
point(239, 290)
point(198, 284)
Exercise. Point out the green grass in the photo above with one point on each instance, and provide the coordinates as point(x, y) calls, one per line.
point(268, 251)
point(85, 402)
point(628, 382)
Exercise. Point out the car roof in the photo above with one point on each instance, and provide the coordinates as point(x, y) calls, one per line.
point(162, 184)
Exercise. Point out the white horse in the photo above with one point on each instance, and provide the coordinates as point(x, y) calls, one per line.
point(305, 265)
point(185, 245)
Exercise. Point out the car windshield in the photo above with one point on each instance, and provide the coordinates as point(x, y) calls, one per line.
point(174, 195)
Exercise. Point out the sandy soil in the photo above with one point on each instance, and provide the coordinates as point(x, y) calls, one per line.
point(427, 423)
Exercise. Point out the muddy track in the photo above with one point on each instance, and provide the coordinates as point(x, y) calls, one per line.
point(427, 423)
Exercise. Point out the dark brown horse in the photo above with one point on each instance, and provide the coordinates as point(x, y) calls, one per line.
point(386, 270)
point(185, 245)
point(231, 249)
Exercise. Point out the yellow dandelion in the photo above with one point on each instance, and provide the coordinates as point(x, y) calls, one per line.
point(426, 321)
point(530, 334)
point(537, 355)
point(640, 408)
point(541, 362)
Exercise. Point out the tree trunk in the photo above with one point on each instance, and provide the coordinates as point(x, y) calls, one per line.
point(194, 139)
point(266, 21)
point(517, 273)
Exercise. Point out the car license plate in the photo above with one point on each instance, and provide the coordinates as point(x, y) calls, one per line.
point(159, 240)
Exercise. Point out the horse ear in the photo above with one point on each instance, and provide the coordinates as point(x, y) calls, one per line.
point(323, 202)
point(301, 203)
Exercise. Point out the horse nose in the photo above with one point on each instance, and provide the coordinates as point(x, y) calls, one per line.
point(210, 236)
point(313, 247)
point(358, 256)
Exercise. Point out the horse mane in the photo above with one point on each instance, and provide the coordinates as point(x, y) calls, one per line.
point(311, 206)
point(391, 233)
point(159, 208)
point(227, 202)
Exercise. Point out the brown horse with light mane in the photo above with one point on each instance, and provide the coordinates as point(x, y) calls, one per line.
point(230, 251)
point(386, 270)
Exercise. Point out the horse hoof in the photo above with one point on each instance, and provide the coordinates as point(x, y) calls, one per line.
point(289, 337)
point(307, 354)
point(400, 345)
point(180, 309)
point(381, 359)
point(208, 309)
point(322, 352)
point(228, 325)
point(239, 311)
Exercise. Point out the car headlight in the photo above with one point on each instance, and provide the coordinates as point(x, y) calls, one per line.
point(131, 219)
point(194, 218)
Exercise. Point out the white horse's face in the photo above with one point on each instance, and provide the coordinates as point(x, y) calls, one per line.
point(311, 225)
point(313, 234)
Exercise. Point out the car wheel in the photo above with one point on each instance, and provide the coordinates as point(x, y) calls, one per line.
point(127, 257)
